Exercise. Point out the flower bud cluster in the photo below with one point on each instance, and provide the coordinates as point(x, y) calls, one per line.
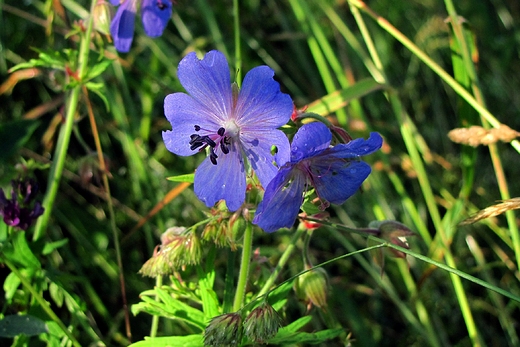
point(19, 211)
point(228, 329)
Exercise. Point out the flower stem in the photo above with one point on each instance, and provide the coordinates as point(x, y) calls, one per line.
point(238, 54)
point(244, 268)
point(155, 318)
point(43, 304)
point(283, 260)
point(65, 131)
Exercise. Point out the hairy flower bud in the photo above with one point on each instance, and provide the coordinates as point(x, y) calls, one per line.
point(19, 211)
point(178, 249)
point(224, 330)
point(262, 323)
point(312, 287)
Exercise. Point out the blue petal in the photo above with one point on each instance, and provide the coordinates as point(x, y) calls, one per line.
point(155, 15)
point(115, 2)
point(357, 147)
point(226, 180)
point(282, 200)
point(311, 139)
point(260, 102)
point(257, 148)
point(338, 180)
point(184, 113)
point(122, 26)
point(208, 82)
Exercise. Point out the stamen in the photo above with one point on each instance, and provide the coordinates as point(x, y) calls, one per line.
point(197, 127)
point(224, 147)
point(221, 131)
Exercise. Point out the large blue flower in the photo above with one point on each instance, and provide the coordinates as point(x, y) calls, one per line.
point(155, 15)
point(231, 124)
point(334, 172)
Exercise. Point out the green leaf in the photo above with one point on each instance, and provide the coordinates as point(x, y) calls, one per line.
point(20, 253)
point(51, 246)
point(171, 341)
point(14, 325)
point(278, 297)
point(182, 178)
point(98, 89)
point(14, 135)
point(305, 338)
point(171, 308)
point(99, 68)
point(209, 298)
point(339, 99)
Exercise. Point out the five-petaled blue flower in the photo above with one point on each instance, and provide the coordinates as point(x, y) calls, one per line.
point(155, 15)
point(231, 124)
point(334, 172)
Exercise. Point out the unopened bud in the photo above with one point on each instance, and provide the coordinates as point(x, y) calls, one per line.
point(262, 323)
point(178, 249)
point(224, 330)
point(102, 16)
point(312, 287)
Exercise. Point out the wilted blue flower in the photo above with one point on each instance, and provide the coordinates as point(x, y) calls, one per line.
point(232, 124)
point(154, 13)
point(334, 172)
point(17, 211)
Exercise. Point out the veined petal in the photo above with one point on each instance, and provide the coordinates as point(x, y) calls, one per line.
point(155, 15)
point(311, 139)
point(122, 26)
point(226, 180)
point(339, 180)
point(183, 112)
point(260, 101)
point(357, 147)
point(257, 148)
point(282, 200)
point(208, 82)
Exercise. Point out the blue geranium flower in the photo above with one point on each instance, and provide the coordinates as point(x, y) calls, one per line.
point(232, 124)
point(334, 172)
point(155, 15)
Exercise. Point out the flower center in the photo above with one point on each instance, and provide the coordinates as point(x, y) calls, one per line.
point(222, 138)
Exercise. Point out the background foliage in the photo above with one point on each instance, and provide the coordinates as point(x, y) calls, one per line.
point(420, 178)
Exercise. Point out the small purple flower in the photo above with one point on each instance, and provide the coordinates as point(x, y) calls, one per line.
point(232, 124)
point(155, 15)
point(334, 172)
point(17, 211)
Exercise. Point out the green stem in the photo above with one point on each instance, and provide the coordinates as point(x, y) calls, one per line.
point(43, 304)
point(238, 53)
point(62, 146)
point(245, 262)
point(283, 260)
point(155, 318)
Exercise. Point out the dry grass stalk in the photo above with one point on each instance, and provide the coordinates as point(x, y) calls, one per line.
point(494, 210)
point(477, 135)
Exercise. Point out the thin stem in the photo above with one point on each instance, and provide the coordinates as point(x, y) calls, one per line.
point(111, 213)
point(283, 260)
point(245, 262)
point(41, 301)
point(238, 53)
point(62, 146)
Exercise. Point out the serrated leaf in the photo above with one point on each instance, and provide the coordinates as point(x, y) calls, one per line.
point(14, 325)
point(98, 69)
point(171, 308)
point(182, 178)
point(171, 341)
